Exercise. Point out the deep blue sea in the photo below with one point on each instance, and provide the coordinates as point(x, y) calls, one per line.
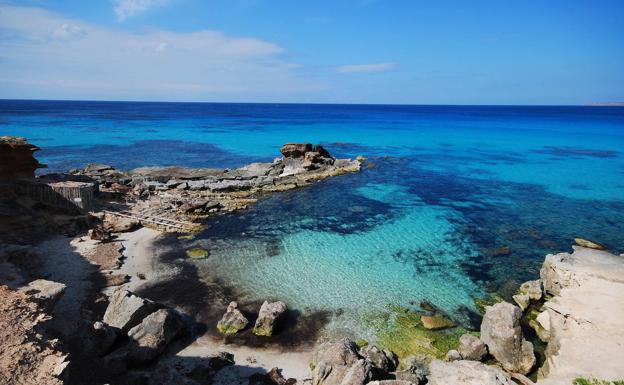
point(448, 186)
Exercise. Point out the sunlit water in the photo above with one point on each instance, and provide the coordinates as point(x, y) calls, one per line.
point(447, 187)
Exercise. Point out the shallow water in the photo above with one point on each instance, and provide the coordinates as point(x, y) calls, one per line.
point(448, 187)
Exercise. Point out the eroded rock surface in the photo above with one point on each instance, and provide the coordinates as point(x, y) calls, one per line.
point(472, 348)
point(153, 334)
point(584, 322)
point(465, 373)
point(233, 320)
point(501, 332)
point(126, 310)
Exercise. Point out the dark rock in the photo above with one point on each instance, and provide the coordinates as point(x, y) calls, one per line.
point(153, 334)
point(273, 377)
point(98, 233)
point(126, 310)
point(295, 150)
point(98, 338)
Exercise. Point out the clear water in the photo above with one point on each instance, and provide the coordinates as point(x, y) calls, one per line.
point(449, 186)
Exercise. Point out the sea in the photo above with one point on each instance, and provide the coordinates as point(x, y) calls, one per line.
point(453, 204)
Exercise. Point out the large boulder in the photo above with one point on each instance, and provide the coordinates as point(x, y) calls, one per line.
point(153, 334)
point(296, 150)
point(233, 320)
point(501, 332)
point(383, 360)
point(360, 373)
point(46, 293)
point(471, 348)
point(331, 362)
point(126, 310)
point(268, 317)
point(465, 373)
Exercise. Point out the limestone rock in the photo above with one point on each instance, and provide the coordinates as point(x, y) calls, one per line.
point(533, 289)
point(358, 374)
point(416, 370)
point(465, 373)
point(268, 317)
point(523, 300)
point(126, 310)
point(472, 348)
point(588, 244)
point(501, 332)
point(45, 292)
point(383, 360)
point(153, 334)
point(233, 320)
point(452, 355)
point(331, 361)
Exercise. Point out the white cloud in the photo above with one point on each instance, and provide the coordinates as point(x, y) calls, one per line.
point(46, 55)
point(127, 8)
point(367, 68)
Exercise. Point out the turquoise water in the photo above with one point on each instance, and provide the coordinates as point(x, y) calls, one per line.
point(447, 187)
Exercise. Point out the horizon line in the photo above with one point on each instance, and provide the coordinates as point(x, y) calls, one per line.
point(590, 104)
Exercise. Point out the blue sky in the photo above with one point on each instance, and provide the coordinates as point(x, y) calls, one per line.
point(340, 51)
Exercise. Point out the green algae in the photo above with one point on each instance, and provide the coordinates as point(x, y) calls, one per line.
point(361, 343)
point(489, 300)
point(402, 332)
point(186, 237)
point(197, 253)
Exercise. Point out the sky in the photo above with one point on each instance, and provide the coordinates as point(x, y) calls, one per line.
point(324, 51)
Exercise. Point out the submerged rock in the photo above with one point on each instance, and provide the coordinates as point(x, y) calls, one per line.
point(153, 334)
point(436, 322)
point(126, 310)
point(472, 348)
point(465, 373)
point(233, 320)
point(270, 314)
point(501, 332)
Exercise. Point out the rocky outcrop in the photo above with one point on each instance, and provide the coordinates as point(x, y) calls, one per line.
point(269, 316)
point(296, 150)
point(126, 310)
point(45, 292)
point(465, 373)
point(383, 360)
point(233, 320)
point(501, 332)
point(153, 334)
point(332, 361)
point(17, 159)
point(583, 322)
point(472, 348)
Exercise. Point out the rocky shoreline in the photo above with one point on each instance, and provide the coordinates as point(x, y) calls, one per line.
point(92, 327)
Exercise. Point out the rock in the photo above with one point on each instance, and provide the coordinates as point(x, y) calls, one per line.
point(17, 159)
point(392, 382)
point(583, 321)
point(97, 168)
point(255, 170)
point(543, 325)
point(533, 289)
point(501, 332)
point(233, 320)
point(499, 251)
point(173, 183)
point(436, 322)
point(116, 279)
point(383, 360)
point(201, 204)
point(99, 234)
point(331, 361)
point(126, 310)
point(522, 300)
point(46, 293)
point(452, 355)
point(116, 224)
point(153, 334)
point(295, 150)
point(465, 373)
point(268, 317)
point(206, 368)
point(589, 244)
point(98, 339)
point(195, 185)
point(273, 377)
point(472, 348)
point(358, 374)
point(416, 370)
